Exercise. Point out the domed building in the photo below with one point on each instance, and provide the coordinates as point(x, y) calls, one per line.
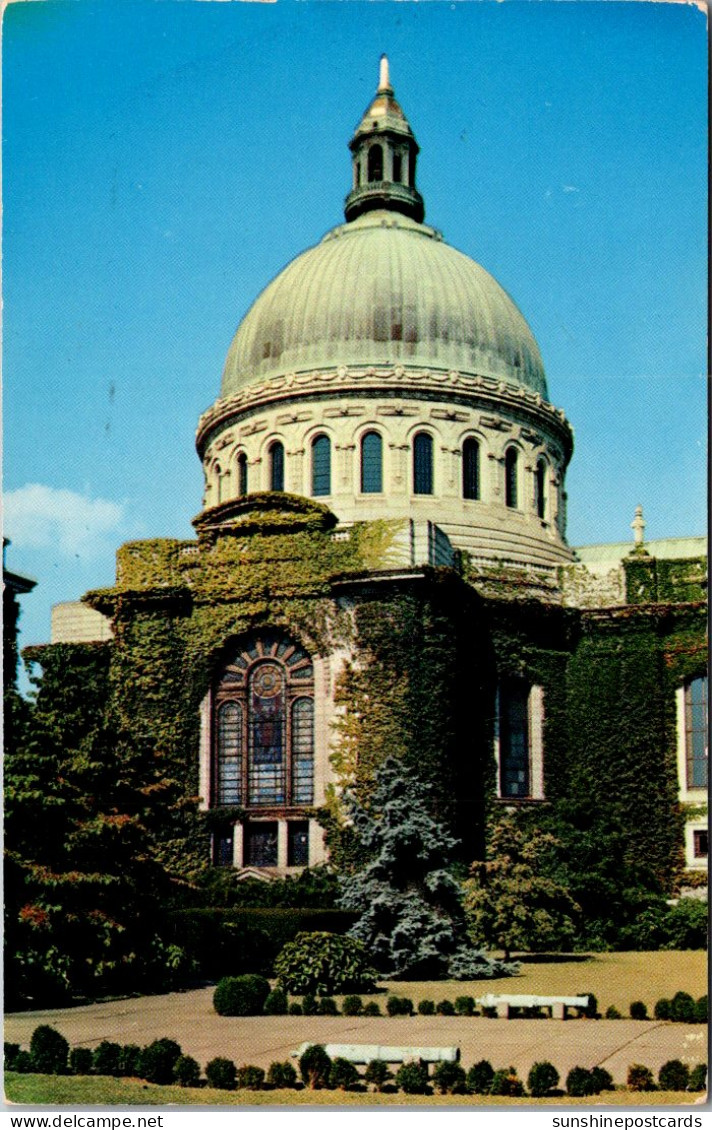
point(381, 567)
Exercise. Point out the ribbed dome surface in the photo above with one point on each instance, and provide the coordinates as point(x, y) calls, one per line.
point(383, 290)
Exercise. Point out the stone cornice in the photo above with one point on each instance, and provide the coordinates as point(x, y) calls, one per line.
point(486, 392)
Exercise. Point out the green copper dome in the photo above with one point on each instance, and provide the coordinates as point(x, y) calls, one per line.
point(383, 290)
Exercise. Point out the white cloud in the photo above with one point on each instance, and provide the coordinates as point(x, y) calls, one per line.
point(42, 517)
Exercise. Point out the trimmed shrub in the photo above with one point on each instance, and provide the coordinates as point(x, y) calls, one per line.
point(506, 1082)
point(673, 1076)
point(445, 1008)
point(372, 1008)
point(579, 1082)
point(13, 1050)
point(662, 1009)
point(638, 1011)
point(107, 1059)
point(250, 1078)
point(342, 1075)
point(158, 1060)
point(682, 1008)
point(377, 1073)
point(327, 1007)
point(310, 1005)
point(399, 1006)
point(80, 1061)
point(591, 1009)
point(186, 1071)
point(543, 1078)
point(479, 1078)
point(701, 1010)
point(324, 963)
point(295, 1009)
point(241, 996)
point(276, 1003)
point(412, 1079)
point(612, 1013)
point(640, 1078)
point(352, 1006)
point(221, 1074)
point(698, 1077)
point(281, 1076)
point(426, 1008)
point(450, 1079)
point(465, 1006)
point(314, 1067)
point(601, 1080)
point(49, 1051)
point(130, 1059)
point(24, 1066)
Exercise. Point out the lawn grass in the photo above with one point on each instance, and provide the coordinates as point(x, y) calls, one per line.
point(84, 1090)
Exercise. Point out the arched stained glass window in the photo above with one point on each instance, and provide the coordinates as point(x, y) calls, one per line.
point(276, 466)
point(470, 469)
point(229, 754)
point(375, 163)
point(303, 751)
point(511, 478)
point(267, 735)
point(423, 464)
point(540, 488)
point(321, 466)
point(242, 474)
point(371, 463)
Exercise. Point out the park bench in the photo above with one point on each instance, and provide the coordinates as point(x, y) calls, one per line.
point(365, 1053)
point(504, 1004)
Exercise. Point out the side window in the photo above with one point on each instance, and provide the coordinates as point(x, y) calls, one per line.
point(514, 768)
point(696, 732)
point(321, 466)
point(423, 464)
point(371, 463)
point(375, 163)
point(242, 474)
point(470, 469)
point(540, 488)
point(511, 478)
point(276, 466)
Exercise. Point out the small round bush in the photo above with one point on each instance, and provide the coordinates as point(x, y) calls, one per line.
point(49, 1051)
point(342, 1075)
point(543, 1078)
point(281, 1076)
point(701, 1010)
point(352, 1006)
point(662, 1009)
point(80, 1061)
point(241, 996)
point(276, 1003)
point(426, 1008)
point(158, 1060)
point(465, 1006)
point(250, 1078)
point(221, 1074)
point(320, 962)
point(315, 1067)
point(479, 1078)
point(591, 1009)
point(579, 1082)
point(186, 1071)
point(327, 1007)
point(130, 1059)
point(371, 1008)
point(682, 1008)
point(399, 1006)
point(612, 1013)
point(377, 1073)
point(673, 1076)
point(23, 1064)
point(11, 1053)
point(640, 1078)
point(107, 1059)
point(310, 1005)
point(601, 1080)
point(295, 1009)
point(449, 1079)
point(412, 1079)
point(638, 1010)
point(698, 1077)
point(506, 1082)
point(445, 1008)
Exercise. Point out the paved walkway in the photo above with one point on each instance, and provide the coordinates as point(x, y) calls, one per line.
point(190, 1019)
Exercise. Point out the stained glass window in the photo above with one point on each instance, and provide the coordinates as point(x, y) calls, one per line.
point(298, 843)
point(514, 738)
point(321, 466)
point(267, 714)
point(371, 463)
point(303, 751)
point(696, 723)
point(423, 464)
point(261, 844)
point(229, 760)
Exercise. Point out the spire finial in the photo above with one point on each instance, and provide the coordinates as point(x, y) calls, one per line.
point(638, 527)
point(384, 82)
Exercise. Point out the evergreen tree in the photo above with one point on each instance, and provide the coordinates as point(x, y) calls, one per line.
point(411, 919)
point(512, 901)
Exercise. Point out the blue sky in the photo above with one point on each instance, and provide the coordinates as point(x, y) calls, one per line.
point(164, 159)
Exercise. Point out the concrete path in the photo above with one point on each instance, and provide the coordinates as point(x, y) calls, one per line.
point(190, 1019)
